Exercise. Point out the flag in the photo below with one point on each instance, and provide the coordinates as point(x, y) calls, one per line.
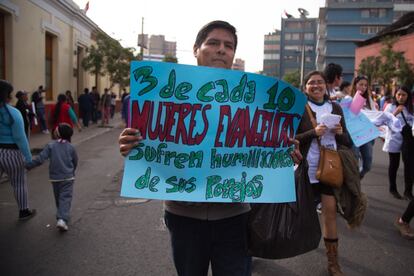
point(86, 7)
point(288, 15)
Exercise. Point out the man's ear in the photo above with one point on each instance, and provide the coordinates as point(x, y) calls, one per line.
point(195, 50)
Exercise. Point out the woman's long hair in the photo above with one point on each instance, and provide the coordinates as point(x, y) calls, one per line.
point(5, 91)
point(60, 101)
point(367, 95)
point(408, 103)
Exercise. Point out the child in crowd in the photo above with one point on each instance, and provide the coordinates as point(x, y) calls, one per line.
point(62, 165)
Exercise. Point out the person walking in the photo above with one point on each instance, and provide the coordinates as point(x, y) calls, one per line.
point(333, 75)
point(24, 108)
point(113, 104)
point(70, 99)
point(192, 226)
point(37, 99)
point(95, 108)
point(14, 150)
point(403, 223)
point(62, 112)
point(320, 104)
point(402, 108)
point(106, 107)
point(365, 151)
point(85, 106)
point(62, 165)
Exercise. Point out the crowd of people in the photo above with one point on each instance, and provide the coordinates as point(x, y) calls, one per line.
point(15, 125)
point(215, 46)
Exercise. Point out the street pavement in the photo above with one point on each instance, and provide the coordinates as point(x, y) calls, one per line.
point(110, 235)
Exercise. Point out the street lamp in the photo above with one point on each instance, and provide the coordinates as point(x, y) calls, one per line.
point(303, 14)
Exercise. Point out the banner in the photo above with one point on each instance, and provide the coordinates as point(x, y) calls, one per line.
point(360, 128)
point(211, 135)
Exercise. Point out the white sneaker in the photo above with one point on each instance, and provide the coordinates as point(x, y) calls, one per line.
point(61, 225)
point(45, 131)
point(319, 208)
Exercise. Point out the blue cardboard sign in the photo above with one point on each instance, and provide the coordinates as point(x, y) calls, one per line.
point(211, 135)
point(360, 128)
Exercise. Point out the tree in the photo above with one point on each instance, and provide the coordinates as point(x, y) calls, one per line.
point(109, 57)
point(390, 65)
point(293, 78)
point(170, 58)
point(94, 62)
point(369, 67)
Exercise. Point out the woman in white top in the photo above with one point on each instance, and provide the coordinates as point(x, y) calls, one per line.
point(365, 151)
point(402, 107)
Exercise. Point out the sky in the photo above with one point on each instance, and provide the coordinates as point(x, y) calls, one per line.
point(180, 21)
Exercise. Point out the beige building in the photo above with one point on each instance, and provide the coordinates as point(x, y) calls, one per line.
point(238, 64)
point(42, 42)
point(156, 47)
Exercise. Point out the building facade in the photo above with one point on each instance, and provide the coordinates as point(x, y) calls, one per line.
point(271, 54)
point(297, 33)
point(43, 42)
point(156, 47)
point(238, 64)
point(343, 23)
point(403, 29)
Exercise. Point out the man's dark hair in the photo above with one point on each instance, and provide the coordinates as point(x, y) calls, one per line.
point(217, 24)
point(332, 71)
point(344, 84)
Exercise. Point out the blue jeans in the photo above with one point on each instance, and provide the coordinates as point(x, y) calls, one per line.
point(63, 191)
point(197, 243)
point(365, 153)
point(40, 114)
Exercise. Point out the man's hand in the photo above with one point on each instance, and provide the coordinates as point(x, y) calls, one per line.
point(295, 154)
point(128, 139)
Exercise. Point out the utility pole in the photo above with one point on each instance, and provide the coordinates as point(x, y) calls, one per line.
point(142, 38)
point(303, 14)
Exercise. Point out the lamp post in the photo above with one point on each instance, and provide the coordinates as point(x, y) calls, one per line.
point(303, 14)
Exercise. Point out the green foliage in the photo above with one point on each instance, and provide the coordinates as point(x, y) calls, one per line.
point(369, 67)
point(293, 78)
point(169, 58)
point(109, 57)
point(390, 65)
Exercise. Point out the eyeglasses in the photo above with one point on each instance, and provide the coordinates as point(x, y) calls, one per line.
point(316, 82)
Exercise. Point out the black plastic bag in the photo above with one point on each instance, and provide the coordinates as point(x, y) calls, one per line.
point(284, 230)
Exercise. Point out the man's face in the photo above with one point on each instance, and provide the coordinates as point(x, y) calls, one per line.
point(338, 81)
point(217, 50)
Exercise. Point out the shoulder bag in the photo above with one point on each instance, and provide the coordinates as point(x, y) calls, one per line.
point(329, 170)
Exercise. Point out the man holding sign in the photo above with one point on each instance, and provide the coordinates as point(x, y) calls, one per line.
point(206, 232)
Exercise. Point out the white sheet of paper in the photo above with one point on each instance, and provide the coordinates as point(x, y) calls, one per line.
point(330, 120)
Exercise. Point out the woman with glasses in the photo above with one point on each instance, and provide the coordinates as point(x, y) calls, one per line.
point(402, 108)
point(364, 152)
point(307, 134)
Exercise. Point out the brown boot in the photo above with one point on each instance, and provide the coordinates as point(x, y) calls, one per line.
point(331, 246)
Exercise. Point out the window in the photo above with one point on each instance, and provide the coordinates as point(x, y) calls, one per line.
point(308, 47)
point(49, 66)
point(293, 25)
point(371, 29)
point(272, 56)
point(373, 13)
point(292, 47)
point(309, 36)
point(295, 36)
